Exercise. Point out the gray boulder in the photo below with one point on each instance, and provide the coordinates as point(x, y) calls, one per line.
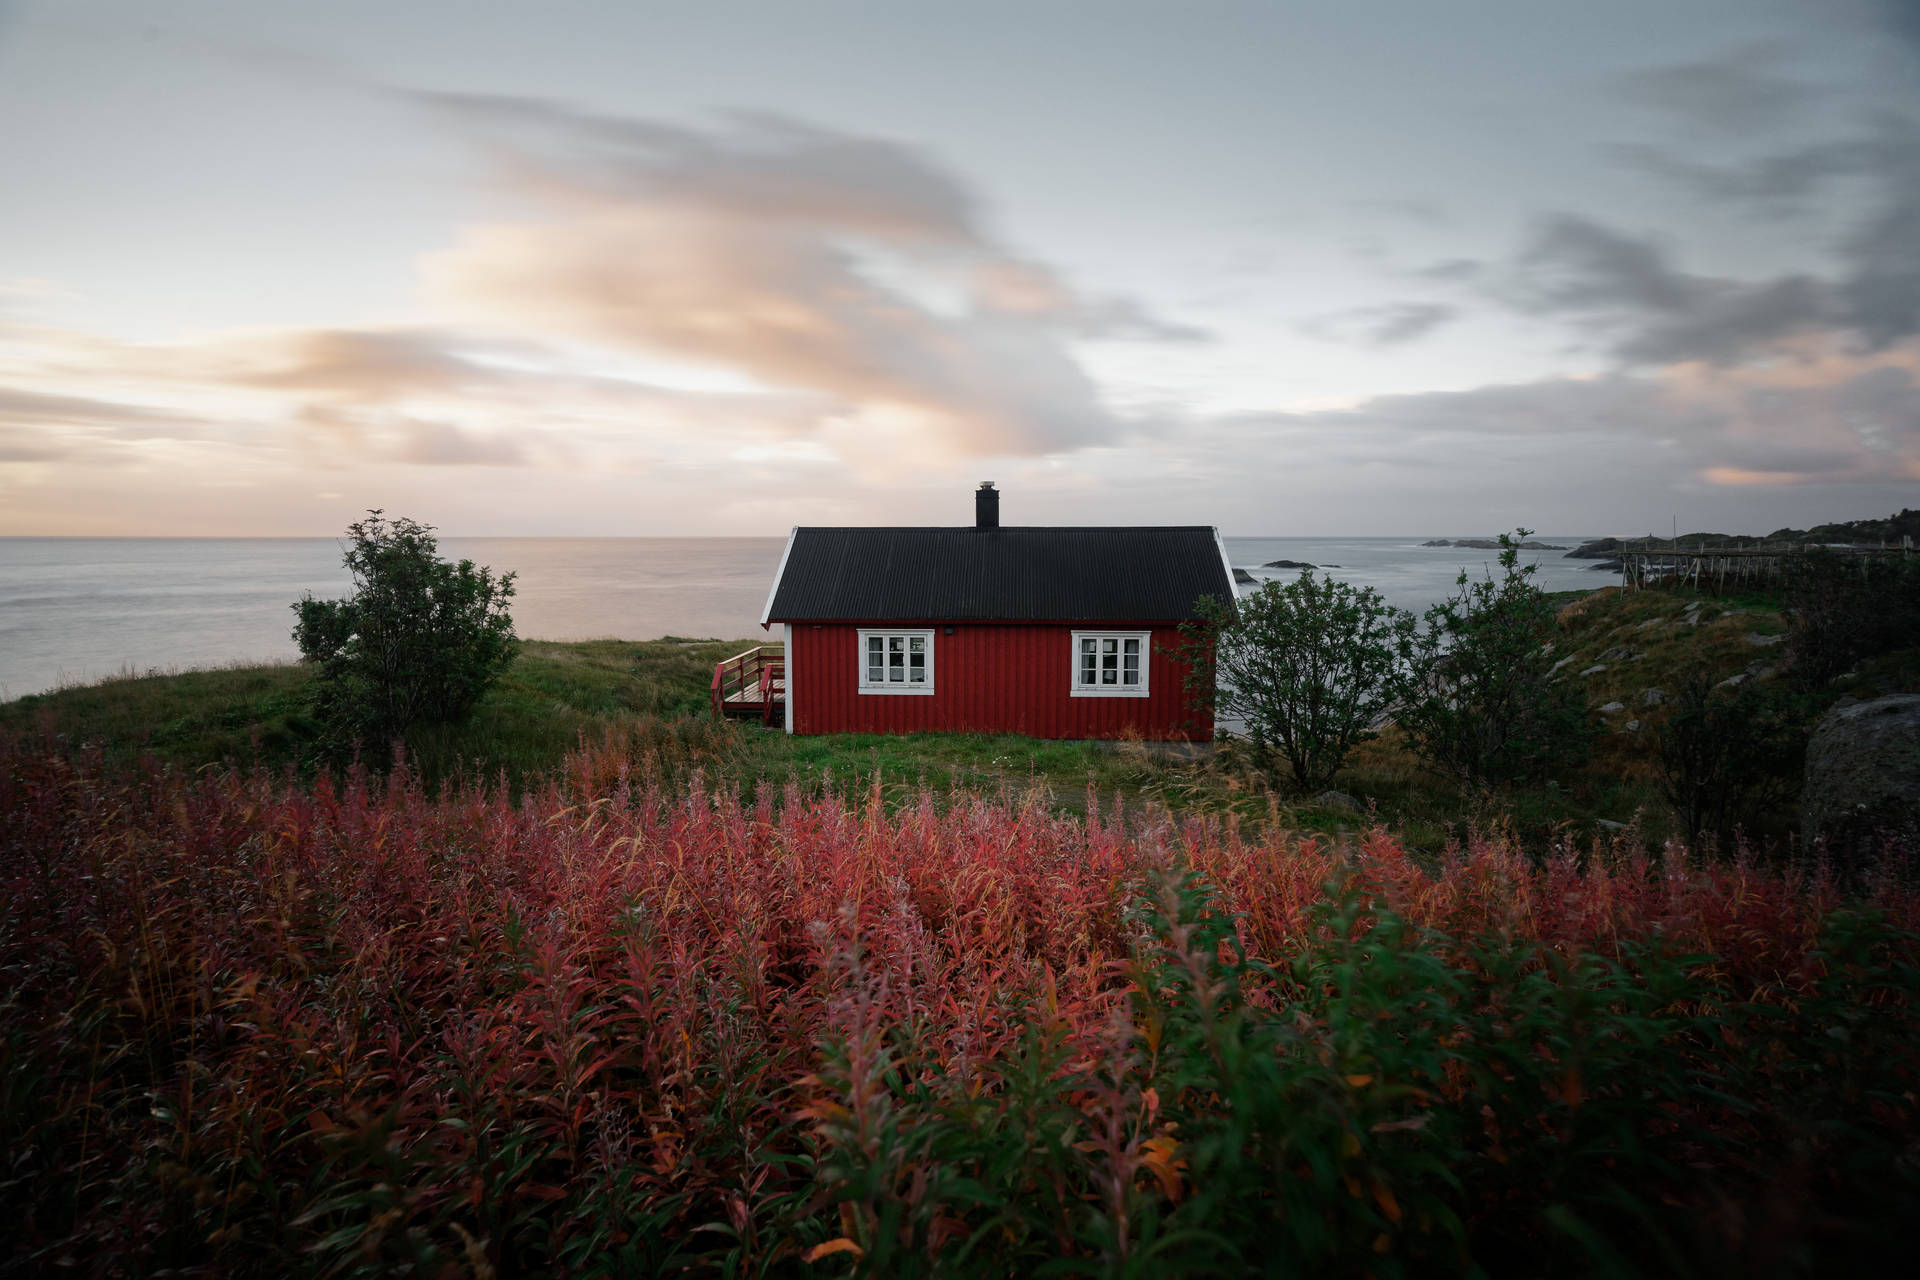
point(1863, 778)
point(1242, 578)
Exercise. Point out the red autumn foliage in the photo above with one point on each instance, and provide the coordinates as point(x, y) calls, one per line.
point(248, 1019)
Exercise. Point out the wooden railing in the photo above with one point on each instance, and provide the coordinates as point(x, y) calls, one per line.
point(754, 679)
point(1715, 569)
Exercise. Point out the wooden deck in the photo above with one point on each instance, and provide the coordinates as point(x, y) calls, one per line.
point(751, 684)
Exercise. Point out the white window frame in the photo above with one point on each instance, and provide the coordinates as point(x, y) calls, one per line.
point(895, 688)
point(1141, 690)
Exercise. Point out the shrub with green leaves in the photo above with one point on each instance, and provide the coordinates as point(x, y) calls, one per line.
point(1842, 609)
point(1307, 666)
point(1726, 750)
point(418, 641)
point(1489, 711)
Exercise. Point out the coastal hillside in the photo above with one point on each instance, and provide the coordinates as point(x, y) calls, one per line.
point(1902, 527)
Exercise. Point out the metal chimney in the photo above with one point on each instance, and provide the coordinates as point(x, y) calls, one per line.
point(986, 506)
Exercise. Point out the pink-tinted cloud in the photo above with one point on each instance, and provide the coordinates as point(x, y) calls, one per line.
point(848, 267)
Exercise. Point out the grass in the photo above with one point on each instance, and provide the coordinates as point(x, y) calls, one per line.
point(558, 695)
point(552, 696)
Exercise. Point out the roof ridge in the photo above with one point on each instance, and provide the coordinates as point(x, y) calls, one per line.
point(1007, 528)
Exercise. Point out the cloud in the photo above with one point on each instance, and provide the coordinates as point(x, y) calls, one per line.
point(1740, 91)
point(441, 444)
point(19, 446)
point(851, 268)
point(1625, 288)
point(765, 168)
point(1453, 271)
point(1826, 416)
point(1875, 289)
point(1390, 325)
point(1902, 19)
point(1880, 297)
point(356, 363)
point(1423, 213)
point(337, 398)
point(1774, 186)
point(40, 409)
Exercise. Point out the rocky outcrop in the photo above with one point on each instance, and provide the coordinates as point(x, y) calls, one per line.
point(1288, 564)
point(1491, 544)
point(1863, 779)
point(1242, 578)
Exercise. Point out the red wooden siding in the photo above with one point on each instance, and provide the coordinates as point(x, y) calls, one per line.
point(988, 678)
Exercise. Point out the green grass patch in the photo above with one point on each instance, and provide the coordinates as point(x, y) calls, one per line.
point(653, 695)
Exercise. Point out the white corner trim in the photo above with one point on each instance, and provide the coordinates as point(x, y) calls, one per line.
point(781, 572)
point(1220, 541)
point(1077, 690)
point(786, 660)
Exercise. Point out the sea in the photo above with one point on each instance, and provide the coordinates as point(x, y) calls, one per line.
point(78, 610)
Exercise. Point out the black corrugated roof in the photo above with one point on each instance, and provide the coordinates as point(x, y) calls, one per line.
point(1010, 574)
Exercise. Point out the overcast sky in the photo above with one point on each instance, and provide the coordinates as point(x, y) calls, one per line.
point(630, 268)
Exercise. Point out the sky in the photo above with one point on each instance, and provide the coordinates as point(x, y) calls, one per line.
point(719, 268)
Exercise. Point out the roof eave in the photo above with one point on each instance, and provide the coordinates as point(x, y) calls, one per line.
point(766, 611)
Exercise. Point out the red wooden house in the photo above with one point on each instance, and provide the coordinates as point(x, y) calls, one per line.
point(1050, 632)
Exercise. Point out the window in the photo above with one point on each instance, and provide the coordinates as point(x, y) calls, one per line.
point(1110, 664)
point(896, 662)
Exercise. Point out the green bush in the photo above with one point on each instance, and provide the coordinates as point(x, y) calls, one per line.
point(1842, 609)
point(1309, 666)
point(418, 642)
point(1725, 751)
point(1489, 711)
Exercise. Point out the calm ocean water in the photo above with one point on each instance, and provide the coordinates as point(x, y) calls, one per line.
point(79, 609)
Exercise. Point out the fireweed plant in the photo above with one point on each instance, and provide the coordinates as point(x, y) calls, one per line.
point(628, 1027)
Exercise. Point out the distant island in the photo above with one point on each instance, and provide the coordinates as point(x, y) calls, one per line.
point(1490, 544)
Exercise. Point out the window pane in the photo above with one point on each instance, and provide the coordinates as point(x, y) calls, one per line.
point(1131, 667)
point(876, 663)
point(917, 667)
